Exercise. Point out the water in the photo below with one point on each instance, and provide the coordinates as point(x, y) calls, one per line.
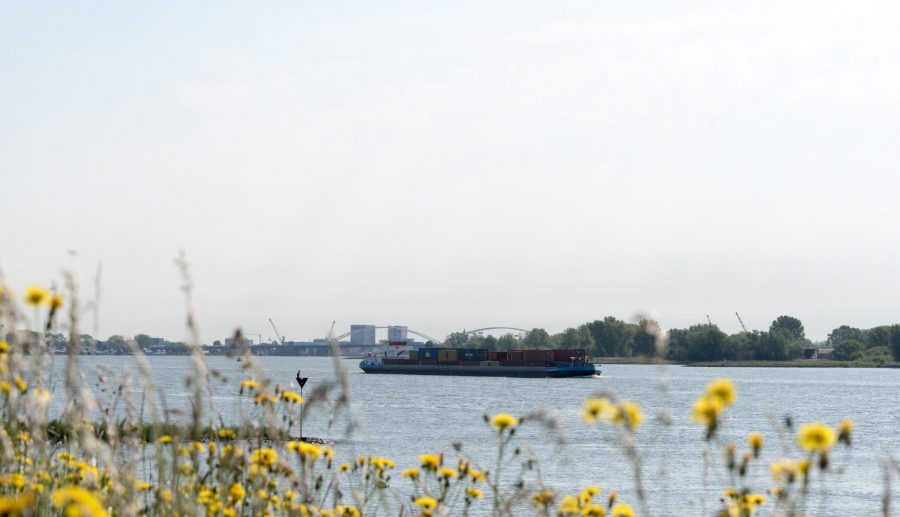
point(403, 416)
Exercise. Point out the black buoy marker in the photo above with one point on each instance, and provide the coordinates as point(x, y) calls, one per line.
point(302, 382)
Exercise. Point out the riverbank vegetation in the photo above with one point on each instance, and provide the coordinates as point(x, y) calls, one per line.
point(784, 340)
point(114, 449)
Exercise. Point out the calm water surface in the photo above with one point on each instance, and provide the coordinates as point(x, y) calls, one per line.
point(402, 416)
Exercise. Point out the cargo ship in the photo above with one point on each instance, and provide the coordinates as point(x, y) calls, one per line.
point(481, 362)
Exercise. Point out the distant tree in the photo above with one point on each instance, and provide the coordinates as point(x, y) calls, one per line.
point(878, 336)
point(490, 343)
point(877, 355)
point(613, 337)
point(848, 350)
point(475, 342)
point(697, 343)
point(577, 338)
point(144, 341)
point(644, 341)
point(217, 343)
point(895, 341)
point(845, 333)
point(741, 346)
point(507, 341)
point(790, 325)
point(456, 340)
point(536, 338)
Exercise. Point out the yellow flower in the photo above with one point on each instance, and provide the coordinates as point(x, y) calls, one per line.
point(588, 493)
point(568, 506)
point(427, 504)
point(411, 473)
point(291, 397)
point(265, 457)
point(430, 461)
point(226, 434)
point(142, 485)
point(344, 467)
point(164, 439)
point(755, 441)
point(4, 347)
point(21, 385)
point(5, 386)
point(77, 502)
point(56, 301)
point(622, 510)
point(816, 437)
point(723, 390)
point(249, 384)
point(307, 451)
point(14, 506)
point(474, 493)
point(707, 410)
point(236, 493)
point(264, 398)
point(35, 295)
point(477, 475)
point(345, 511)
point(543, 498)
point(447, 472)
point(593, 510)
point(845, 430)
point(630, 414)
point(504, 421)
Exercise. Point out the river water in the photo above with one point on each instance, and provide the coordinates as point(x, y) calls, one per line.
point(402, 416)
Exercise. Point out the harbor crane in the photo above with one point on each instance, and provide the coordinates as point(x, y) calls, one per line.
point(741, 321)
point(277, 334)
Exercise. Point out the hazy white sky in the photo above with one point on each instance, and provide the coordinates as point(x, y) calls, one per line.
point(450, 165)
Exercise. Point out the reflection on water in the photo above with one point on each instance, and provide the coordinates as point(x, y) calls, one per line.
point(403, 416)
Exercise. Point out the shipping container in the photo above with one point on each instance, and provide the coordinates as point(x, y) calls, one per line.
point(538, 355)
point(408, 361)
point(566, 355)
point(414, 355)
point(500, 356)
point(516, 355)
point(492, 356)
point(488, 363)
point(472, 354)
point(510, 363)
point(429, 353)
point(448, 355)
point(427, 361)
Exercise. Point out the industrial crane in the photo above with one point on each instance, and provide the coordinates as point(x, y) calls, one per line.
point(741, 321)
point(277, 334)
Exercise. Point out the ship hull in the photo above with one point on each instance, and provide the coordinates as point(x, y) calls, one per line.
point(588, 370)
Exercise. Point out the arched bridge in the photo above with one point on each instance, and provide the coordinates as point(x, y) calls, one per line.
point(408, 330)
point(475, 331)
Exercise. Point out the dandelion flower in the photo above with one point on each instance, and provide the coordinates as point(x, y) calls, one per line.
point(291, 397)
point(77, 502)
point(706, 410)
point(35, 295)
point(265, 457)
point(504, 421)
point(427, 504)
point(56, 301)
point(474, 493)
point(622, 510)
point(723, 390)
point(430, 461)
point(816, 437)
point(250, 384)
point(593, 510)
point(236, 493)
point(447, 472)
point(543, 498)
point(411, 473)
point(845, 430)
point(755, 441)
point(164, 439)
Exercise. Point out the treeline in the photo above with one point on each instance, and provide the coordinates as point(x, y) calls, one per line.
point(115, 345)
point(784, 340)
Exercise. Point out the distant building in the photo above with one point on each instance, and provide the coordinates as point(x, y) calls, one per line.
point(229, 341)
point(397, 333)
point(363, 335)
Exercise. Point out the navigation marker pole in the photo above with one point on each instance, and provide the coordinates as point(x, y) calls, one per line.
point(302, 382)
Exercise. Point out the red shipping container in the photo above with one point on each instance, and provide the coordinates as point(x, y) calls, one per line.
point(501, 356)
point(492, 356)
point(516, 355)
point(538, 355)
point(566, 355)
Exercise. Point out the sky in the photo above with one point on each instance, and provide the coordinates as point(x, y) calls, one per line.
point(454, 165)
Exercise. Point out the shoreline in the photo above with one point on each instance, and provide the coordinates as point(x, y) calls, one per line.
point(794, 363)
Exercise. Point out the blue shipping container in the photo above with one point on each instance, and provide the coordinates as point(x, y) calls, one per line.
point(428, 353)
